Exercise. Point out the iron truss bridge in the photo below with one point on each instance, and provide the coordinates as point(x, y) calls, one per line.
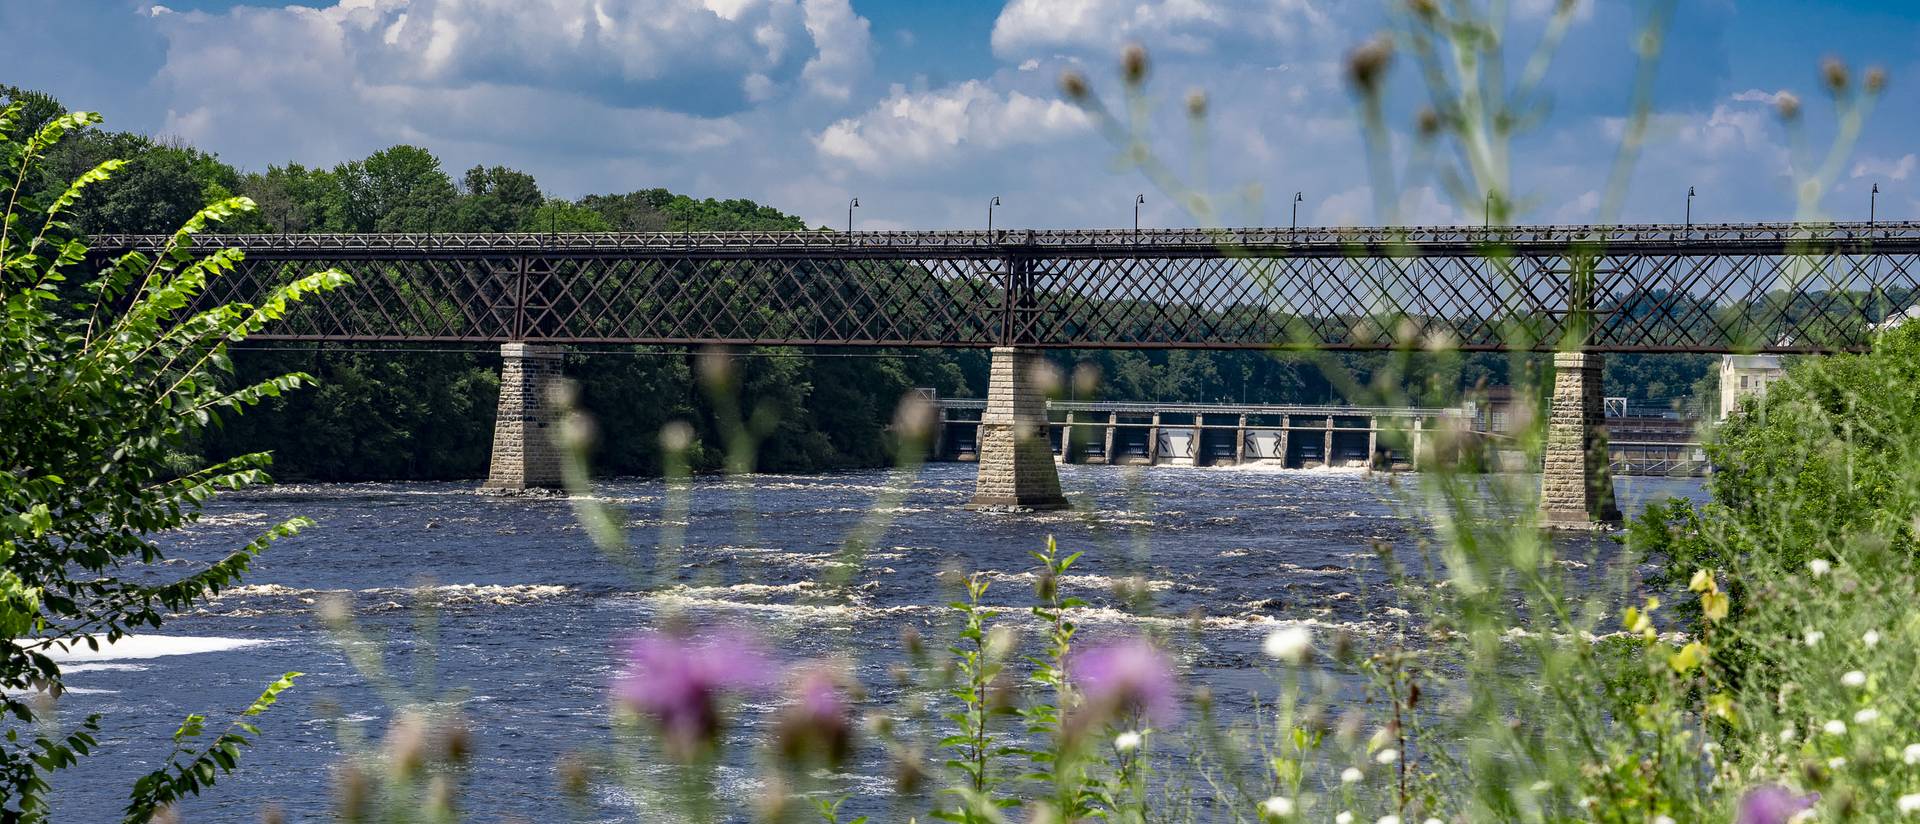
point(1649, 288)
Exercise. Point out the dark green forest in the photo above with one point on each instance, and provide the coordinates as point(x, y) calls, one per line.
point(407, 413)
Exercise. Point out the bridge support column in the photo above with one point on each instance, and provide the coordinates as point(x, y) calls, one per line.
point(1016, 460)
point(525, 455)
point(1576, 491)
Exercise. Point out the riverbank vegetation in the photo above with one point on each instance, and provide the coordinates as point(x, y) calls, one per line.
point(105, 378)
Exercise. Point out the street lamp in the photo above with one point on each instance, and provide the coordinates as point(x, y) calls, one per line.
point(1137, 200)
point(1296, 210)
point(851, 205)
point(990, 204)
point(1873, 202)
point(1689, 207)
point(1486, 213)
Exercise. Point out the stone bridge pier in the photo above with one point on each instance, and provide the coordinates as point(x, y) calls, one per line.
point(526, 456)
point(1016, 459)
point(1576, 491)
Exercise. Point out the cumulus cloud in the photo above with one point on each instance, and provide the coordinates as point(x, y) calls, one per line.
point(845, 44)
point(1027, 27)
point(705, 57)
point(1758, 96)
point(922, 128)
point(1880, 168)
point(1422, 206)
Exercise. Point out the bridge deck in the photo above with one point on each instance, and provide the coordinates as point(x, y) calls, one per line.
point(1651, 288)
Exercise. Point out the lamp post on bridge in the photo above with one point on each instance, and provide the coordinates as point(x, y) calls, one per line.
point(1873, 202)
point(1689, 207)
point(851, 205)
point(1296, 210)
point(990, 204)
point(1137, 200)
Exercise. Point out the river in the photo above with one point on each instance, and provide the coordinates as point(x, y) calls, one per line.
point(527, 617)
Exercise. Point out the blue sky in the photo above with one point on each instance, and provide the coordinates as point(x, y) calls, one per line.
point(925, 110)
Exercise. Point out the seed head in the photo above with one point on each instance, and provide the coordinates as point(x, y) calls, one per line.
point(1073, 84)
point(676, 436)
point(1788, 104)
point(1368, 63)
point(1133, 64)
point(1876, 81)
point(1197, 103)
point(1428, 122)
point(1834, 74)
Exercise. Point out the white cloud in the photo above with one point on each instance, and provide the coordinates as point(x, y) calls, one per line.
point(1758, 96)
point(1027, 27)
point(934, 127)
point(1582, 209)
point(845, 44)
point(713, 57)
point(1417, 207)
point(1880, 168)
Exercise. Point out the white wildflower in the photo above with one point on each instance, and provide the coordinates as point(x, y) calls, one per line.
point(1909, 803)
point(1127, 741)
point(1787, 733)
point(1351, 775)
point(1278, 806)
point(1663, 819)
point(1433, 821)
point(1835, 727)
point(1541, 786)
point(1293, 645)
point(1871, 639)
point(1344, 817)
point(1911, 754)
point(1388, 819)
point(1854, 678)
point(1836, 762)
point(1814, 637)
point(1386, 756)
point(1866, 716)
point(1819, 567)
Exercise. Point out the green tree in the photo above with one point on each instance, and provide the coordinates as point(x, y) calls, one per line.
point(102, 385)
point(397, 189)
point(563, 216)
point(497, 199)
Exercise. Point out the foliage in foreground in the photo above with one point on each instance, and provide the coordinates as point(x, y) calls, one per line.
point(103, 382)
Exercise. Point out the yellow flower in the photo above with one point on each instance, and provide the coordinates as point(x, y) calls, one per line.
point(1687, 658)
point(1720, 704)
point(1714, 605)
point(1703, 582)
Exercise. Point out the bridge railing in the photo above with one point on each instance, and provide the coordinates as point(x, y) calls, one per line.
point(1701, 288)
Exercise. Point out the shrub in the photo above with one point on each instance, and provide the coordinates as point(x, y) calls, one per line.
point(105, 382)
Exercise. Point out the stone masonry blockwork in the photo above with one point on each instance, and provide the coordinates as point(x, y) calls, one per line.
point(1016, 461)
point(1575, 489)
point(525, 455)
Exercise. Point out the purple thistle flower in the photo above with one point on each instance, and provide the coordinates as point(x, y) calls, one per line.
point(816, 724)
point(679, 681)
point(1772, 804)
point(1126, 676)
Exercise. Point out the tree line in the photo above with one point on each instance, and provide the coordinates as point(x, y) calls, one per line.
point(379, 413)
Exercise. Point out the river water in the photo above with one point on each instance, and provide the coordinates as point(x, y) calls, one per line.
point(527, 617)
